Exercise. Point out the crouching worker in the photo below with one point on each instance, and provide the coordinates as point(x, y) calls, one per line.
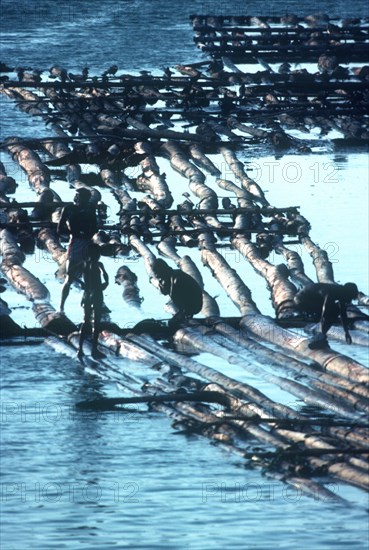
point(93, 298)
point(184, 291)
point(326, 303)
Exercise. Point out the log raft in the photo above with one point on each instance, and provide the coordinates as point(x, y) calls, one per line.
point(115, 137)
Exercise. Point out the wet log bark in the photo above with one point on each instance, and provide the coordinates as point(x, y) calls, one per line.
point(128, 279)
point(338, 334)
point(329, 360)
point(283, 438)
point(22, 280)
point(177, 224)
point(228, 278)
point(202, 160)
point(288, 363)
point(264, 327)
point(152, 181)
point(259, 403)
point(294, 264)
point(179, 163)
point(345, 471)
point(220, 347)
point(238, 170)
point(324, 269)
point(127, 348)
point(38, 174)
point(29, 285)
point(282, 290)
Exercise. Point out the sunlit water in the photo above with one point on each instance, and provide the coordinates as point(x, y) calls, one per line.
point(108, 480)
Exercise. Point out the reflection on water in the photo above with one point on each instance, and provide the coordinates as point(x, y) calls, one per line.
point(85, 479)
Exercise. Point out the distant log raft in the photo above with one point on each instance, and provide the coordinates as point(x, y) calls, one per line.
point(286, 39)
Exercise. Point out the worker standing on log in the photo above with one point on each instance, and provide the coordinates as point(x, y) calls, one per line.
point(184, 291)
point(93, 298)
point(327, 302)
point(81, 223)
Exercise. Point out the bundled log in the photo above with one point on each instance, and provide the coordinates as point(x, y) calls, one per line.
point(329, 360)
point(283, 438)
point(217, 425)
point(289, 362)
point(266, 329)
point(279, 437)
point(219, 347)
point(259, 403)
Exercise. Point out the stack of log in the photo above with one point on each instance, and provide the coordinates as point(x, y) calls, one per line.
point(287, 39)
point(235, 107)
point(117, 130)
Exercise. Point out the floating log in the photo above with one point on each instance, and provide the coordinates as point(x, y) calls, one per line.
point(178, 161)
point(329, 360)
point(294, 264)
point(293, 364)
point(128, 279)
point(109, 402)
point(275, 102)
point(234, 355)
point(259, 403)
point(237, 168)
point(282, 290)
point(47, 238)
point(324, 269)
point(281, 437)
point(202, 160)
point(152, 181)
point(265, 328)
point(52, 321)
point(13, 270)
point(38, 174)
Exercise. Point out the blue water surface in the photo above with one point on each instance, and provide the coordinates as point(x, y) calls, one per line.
point(84, 480)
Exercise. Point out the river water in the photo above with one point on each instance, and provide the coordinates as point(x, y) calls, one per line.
point(73, 480)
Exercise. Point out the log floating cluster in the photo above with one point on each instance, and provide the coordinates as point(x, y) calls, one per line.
point(128, 127)
point(282, 39)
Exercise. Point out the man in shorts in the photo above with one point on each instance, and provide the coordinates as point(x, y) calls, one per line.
point(79, 219)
